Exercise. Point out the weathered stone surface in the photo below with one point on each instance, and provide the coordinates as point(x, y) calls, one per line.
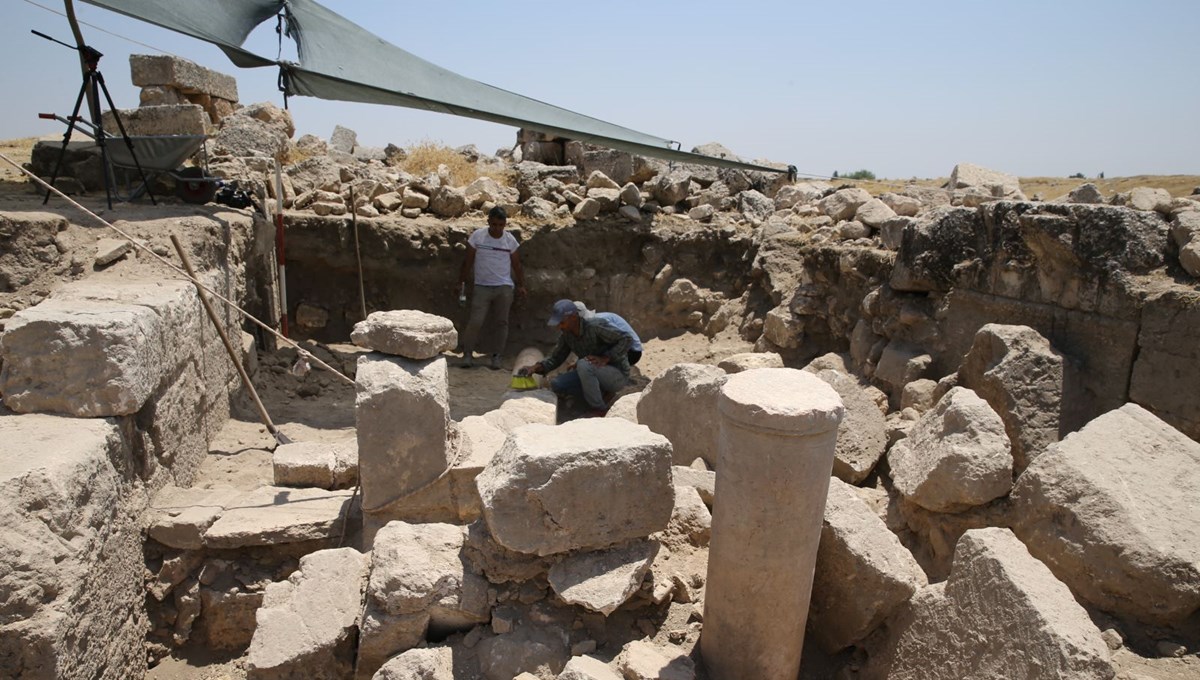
point(791, 195)
point(1111, 510)
point(71, 559)
point(271, 514)
point(538, 650)
point(874, 213)
point(429, 663)
point(956, 457)
point(1001, 614)
point(244, 136)
point(148, 70)
point(181, 516)
point(642, 660)
point(1020, 376)
point(904, 206)
point(1085, 193)
point(419, 582)
point(27, 245)
point(899, 365)
point(307, 624)
point(315, 464)
point(863, 572)
point(96, 349)
point(681, 404)
point(398, 455)
point(448, 202)
point(843, 203)
point(703, 481)
point(748, 360)
point(407, 333)
point(584, 484)
point(625, 407)
point(180, 119)
point(862, 434)
point(110, 250)
point(588, 668)
point(1167, 366)
point(993, 183)
point(603, 580)
point(691, 520)
point(1146, 198)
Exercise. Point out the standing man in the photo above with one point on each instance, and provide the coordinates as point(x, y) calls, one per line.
point(602, 350)
point(492, 262)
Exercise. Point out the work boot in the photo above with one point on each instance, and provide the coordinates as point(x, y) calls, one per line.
point(495, 363)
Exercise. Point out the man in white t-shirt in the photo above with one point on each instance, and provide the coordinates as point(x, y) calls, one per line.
point(492, 262)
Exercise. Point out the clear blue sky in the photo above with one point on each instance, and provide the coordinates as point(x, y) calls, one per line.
point(905, 89)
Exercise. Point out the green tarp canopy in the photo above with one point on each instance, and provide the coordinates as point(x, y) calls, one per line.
point(342, 61)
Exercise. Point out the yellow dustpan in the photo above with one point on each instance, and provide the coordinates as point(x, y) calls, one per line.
point(523, 382)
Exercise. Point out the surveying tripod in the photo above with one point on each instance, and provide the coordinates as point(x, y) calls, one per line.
point(92, 86)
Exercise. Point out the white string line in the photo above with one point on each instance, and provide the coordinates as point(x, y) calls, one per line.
point(303, 352)
point(102, 30)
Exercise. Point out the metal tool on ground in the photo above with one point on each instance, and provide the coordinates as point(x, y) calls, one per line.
point(280, 438)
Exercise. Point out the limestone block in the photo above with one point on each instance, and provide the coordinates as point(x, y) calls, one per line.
point(407, 333)
point(625, 407)
point(874, 213)
point(748, 360)
point(405, 436)
point(97, 349)
point(246, 137)
point(343, 139)
point(71, 558)
point(429, 663)
point(1085, 193)
point(603, 580)
point(691, 520)
point(1111, 510)
point(998, 184)
point(271, 515)
point(630, 213)
point(920, 395)
point(159, 70)
point(791, 195)
point(539, 650)
point(307, 624)
point(588, 668)
point(181, 516)
point(901, 364)
point(587, 209)
point(414, 199)
point(681, 404)
point(28, 245)
point(904, 206)
point(599, 180)
point(388, 202)
point(419, 582)
point(1167, 367)
point(318, 464)
point(1001, 614)
point(1020, 376)
point(754, 206)
point(703, 481)
point(702, 213)
point(584, 484)
point(862, 434)
point(956, 457)
point(863, 572)
point(643, 660)
point(843, 203)
point(181, 119)
point(631, 195)
point(159, 95)
point(448, 202)
point(1145, 198)
point(671, 188)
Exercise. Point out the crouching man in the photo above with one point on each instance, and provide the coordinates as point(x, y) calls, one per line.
point(602, 349)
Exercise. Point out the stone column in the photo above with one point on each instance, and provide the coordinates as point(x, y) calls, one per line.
point(775, 455)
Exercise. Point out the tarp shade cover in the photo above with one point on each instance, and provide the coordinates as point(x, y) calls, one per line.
point(340, 60)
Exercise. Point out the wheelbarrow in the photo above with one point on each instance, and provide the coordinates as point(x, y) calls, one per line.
point(158, 155)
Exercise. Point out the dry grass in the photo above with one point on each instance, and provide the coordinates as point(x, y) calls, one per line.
point(424, 158)
point(1050, 188)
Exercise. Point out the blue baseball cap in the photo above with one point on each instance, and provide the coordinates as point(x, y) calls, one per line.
point(562, 309)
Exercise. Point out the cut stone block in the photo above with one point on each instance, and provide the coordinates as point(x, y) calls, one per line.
point(110, 250)
point(625, 407)
point(681, 404)
point(540, 650)
point(180, 119)
point(72, 590)
point(748, 360)
point(307, 624)
point(273, 514)
point(862, 435)
point(863, 572)
point(586, 484)
point(181, 516)
point(603, 580)
point(1111, 509)
point(431, 663)
point(642, 660)
point(419, 582)
point(159, 70)
point(1020, 375)
point(956, 457)
point(588, 668)
point(1001, 614)
point(316, 464)
point(703, 481)
point(406, 333)
point(406, 439)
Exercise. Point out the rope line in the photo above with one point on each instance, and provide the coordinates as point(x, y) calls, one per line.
point(102, 30)
point(308, 356)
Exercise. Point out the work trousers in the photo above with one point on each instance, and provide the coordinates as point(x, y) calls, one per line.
point(589, 382)
point(493, 303)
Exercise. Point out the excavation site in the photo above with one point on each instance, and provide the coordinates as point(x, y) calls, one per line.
point(712, 422)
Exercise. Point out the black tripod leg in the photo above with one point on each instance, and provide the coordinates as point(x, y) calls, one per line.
point(101, 140)
point(128, 142)
point(67, 137)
